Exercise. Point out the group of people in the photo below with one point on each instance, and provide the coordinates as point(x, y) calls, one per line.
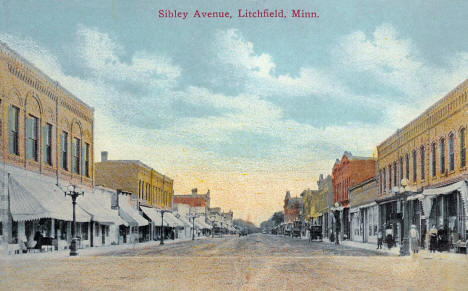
point(437, 239)
point(390, 239)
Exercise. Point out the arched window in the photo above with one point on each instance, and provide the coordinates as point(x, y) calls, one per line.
point(462, 148)
point(414, 166)
point(395, 179)
point(423, 162)
point(433, 158)
point(451, 153)
point(442, 155)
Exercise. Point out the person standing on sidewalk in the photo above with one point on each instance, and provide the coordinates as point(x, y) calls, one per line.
point(414, 239)
point(379, 239)
point(389, 237)
point(433, 239)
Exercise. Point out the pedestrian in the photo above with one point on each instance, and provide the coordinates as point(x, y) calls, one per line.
point(379, 239)
point(433, 239)
point(389, 237)
point(414, 239)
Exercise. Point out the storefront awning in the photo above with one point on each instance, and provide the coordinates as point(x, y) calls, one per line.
point(202, 223)
point(128, 218)
point(175, 222)
point(184, 220)
point(152, 214)
point(33, 196)
point(128, 209)
point(95, 204)
point(430, 193)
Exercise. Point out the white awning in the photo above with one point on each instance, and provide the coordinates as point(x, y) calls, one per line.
point(34, 196)
point(153, 214)
point(202, 223)
point(175, 222)
point(125, 205)
point(184, 220)
point(96, 205)
point(430, 193)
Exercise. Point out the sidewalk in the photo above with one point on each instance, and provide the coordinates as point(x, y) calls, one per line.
point(93, 250)
point(423, 253)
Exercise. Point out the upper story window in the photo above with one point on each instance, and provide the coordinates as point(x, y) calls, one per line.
point(442, 155)
point(13, 127)
point(76, 149)
point(389, 177)
point(451, 153)
point(47, 144)
point(423, 162)
point(462, 148)
point(401, 168)
point(31, 138)
point(414, 166)
point(407, 166)
point(85, 159)
point(64, 150)
point(395, 179)
point(433, 158)
point(384, 180)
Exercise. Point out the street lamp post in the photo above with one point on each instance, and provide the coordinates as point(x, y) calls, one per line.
point(73, 194)
point(162, 226)
point(193, 216)
point(212, 225)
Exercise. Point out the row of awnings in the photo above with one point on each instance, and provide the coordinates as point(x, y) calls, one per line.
point(167, 219)
point(33, 196)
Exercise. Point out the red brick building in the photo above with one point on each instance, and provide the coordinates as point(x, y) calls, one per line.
point(348, 172)
point(292, 208)
point(194, 199)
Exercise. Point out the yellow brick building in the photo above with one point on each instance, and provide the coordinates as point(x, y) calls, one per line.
point(151, 187)
point(431, 149)
point(44, 128)
point(422, 171)
point(47, 133)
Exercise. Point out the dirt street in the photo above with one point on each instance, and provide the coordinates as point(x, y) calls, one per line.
point(256, 262)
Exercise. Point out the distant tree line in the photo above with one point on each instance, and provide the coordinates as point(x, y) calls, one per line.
point(245, 225)
point(276, 219)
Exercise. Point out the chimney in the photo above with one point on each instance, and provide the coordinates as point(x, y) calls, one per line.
point(104, 156)
point(194, 191)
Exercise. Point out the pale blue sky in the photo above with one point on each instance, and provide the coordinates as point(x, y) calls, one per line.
point(261, 96)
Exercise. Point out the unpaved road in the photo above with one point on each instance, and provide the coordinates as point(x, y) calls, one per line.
point(256, 262)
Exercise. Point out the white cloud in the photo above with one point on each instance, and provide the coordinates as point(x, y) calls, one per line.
point(104, 56)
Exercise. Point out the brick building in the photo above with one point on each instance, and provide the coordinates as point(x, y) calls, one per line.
point(292, 208)
point(428, 157)
point(347, 172)
point(46, 142)
point(151, 187)
point(194, 199)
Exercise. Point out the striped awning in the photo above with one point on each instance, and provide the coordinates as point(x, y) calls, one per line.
point(34, 196)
